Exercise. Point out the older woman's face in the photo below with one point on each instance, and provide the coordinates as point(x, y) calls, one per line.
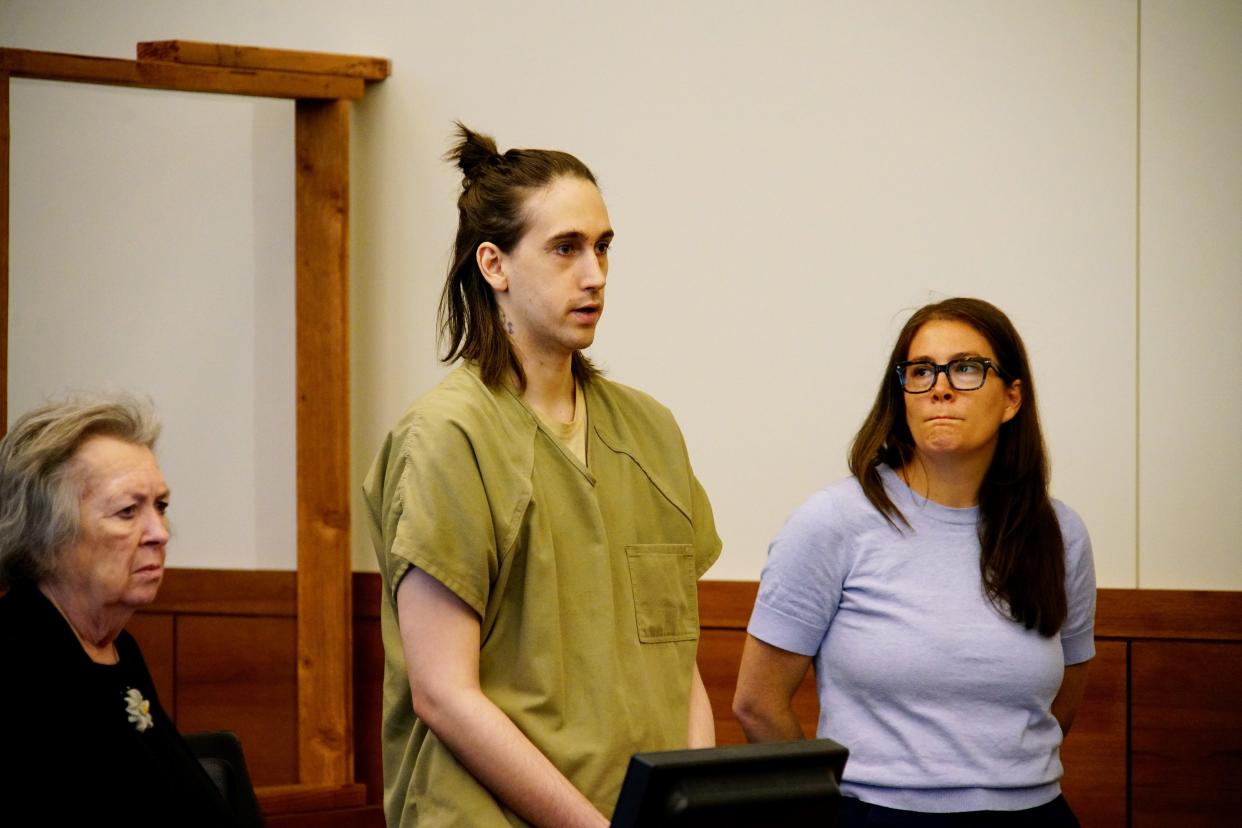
point(118, 558)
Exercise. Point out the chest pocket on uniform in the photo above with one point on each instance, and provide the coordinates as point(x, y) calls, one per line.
point(666, 602)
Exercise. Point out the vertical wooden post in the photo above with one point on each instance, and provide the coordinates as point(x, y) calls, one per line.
point(325, 691)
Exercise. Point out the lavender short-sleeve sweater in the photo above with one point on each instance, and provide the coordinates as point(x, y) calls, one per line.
point(944, 703)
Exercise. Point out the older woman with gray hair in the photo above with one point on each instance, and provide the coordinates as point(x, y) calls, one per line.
point(83, 532)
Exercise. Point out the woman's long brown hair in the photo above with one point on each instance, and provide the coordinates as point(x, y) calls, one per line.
point(1023, 554)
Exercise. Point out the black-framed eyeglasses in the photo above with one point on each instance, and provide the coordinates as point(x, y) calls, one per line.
point(919, 376)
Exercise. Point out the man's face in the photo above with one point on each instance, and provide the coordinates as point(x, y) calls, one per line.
point(550, 286)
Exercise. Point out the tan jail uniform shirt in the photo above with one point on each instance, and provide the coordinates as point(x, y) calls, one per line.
point(584, 580)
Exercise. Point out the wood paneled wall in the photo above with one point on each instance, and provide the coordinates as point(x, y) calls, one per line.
point(222, 648)
point(1158, 741)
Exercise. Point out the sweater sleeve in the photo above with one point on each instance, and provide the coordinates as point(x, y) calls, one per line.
point(800, 587)
point(1078, 632)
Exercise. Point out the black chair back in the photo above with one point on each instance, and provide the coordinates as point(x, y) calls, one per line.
point(220, 754)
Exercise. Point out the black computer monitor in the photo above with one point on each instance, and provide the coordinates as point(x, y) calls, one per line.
point(739, 786)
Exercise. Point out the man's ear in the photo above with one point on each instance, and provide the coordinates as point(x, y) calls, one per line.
point(488, 258)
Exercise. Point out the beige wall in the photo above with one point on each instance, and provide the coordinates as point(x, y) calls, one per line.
point(787, 181)
point(1190, 290)
point(146, 255)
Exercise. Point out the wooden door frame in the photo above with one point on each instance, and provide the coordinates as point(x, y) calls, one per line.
point(321, 85)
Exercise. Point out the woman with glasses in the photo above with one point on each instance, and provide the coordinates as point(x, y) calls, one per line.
point(946, 600)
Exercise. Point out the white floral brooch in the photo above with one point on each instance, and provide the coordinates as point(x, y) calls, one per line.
point(138, 709)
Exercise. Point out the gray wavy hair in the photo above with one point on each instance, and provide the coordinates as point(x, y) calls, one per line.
point(39, 491)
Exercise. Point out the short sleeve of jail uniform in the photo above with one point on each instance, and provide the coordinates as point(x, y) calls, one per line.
point(444, 524)
point(1078, 631)
point(800, 587)
point(706, 541)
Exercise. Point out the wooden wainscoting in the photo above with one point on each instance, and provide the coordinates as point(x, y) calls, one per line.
point(222, 648)
point(1158, 741)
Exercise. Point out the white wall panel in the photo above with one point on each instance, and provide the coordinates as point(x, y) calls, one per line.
point(152, 250)
point(787, 181)
point(1190, 311)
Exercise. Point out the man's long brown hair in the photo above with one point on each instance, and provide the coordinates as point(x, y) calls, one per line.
point(1023, 554)
point(495, 188)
